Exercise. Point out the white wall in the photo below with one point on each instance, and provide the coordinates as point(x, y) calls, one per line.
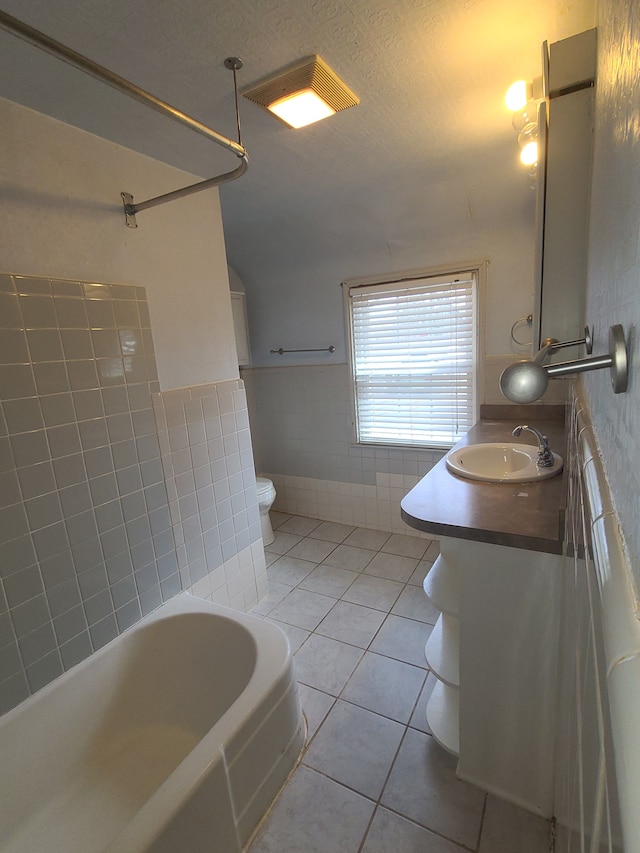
point(62, 216)
point(304, 308)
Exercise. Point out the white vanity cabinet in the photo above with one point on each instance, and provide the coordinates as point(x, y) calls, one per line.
point(494, 655)
point(509, 634)
point(497, 584)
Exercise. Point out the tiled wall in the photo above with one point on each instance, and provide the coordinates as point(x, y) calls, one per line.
point(208, 462)
point(586, 806)
point(86, 544)
point(88, 525)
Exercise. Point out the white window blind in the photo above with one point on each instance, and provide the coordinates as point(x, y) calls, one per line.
point(414, 359)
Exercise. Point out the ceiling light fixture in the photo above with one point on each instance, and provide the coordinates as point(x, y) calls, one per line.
point(303, 93)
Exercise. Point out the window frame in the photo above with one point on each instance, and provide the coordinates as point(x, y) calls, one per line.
point(479, 269)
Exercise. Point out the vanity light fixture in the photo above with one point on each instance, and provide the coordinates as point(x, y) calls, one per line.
point(522, 99)
point(303, 93)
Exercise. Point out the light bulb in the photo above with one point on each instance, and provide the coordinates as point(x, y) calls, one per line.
point(527, 115)
point(529, 154)
point(517, 95)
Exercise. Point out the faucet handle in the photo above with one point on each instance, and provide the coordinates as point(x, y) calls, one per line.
point(545, 458)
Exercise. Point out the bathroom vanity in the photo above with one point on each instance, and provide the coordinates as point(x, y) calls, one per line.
point(497, 583)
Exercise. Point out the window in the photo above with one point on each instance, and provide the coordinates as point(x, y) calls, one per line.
point(413, 358)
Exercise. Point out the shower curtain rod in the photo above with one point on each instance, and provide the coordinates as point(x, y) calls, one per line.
point(66, 54)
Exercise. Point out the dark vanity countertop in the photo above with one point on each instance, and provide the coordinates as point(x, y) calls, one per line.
point(519, 515)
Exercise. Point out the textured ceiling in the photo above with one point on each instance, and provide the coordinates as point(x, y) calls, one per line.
point(429, 146)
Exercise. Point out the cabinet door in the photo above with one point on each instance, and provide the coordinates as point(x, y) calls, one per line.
point(239, 310)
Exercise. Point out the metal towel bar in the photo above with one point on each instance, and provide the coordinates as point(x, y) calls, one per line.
point(282, 351)
point(66, 54)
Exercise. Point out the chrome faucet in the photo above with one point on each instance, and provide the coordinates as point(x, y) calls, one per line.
point(545, 456)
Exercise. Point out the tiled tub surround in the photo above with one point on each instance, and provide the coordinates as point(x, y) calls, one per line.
point(208, 463)
point(372, 778)
point(86, 545)
point(87, 541)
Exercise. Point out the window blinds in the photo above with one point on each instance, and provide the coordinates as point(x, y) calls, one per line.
point(414, 360)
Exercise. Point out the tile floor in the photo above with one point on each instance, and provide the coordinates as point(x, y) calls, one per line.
point(371, 778)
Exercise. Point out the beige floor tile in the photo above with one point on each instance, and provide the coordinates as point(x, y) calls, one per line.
point(383, 610)
point(419, 717)
point(299, 525)
point(277, 591)
point(385, 686)
point(373, 592)
point(278, 518)
point(364, 537)
point(282, 543)
point(355, 747)
point(296, 636)
point(423, 787)
point(348, 557)
point(509, 829)
point(314, 814)
point(331, 531)
point(314, 550)
point(326, 664)
point(289, 570)
point(389, 832)
point(414, 604)
point(405, 546)
point(316, 705)
point(351, 623)
point(402, 639)
point(422, 569)
point(392, 567)
point(328, 580)
point(303, 608)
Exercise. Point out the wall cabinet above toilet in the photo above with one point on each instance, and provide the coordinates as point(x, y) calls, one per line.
point(241, 328)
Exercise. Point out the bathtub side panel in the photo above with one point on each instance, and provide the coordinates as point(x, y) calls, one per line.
point(203, 823)
point(258, 771)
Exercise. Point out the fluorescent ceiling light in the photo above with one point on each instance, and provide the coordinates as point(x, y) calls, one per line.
point(301, 109)
point(303, 93)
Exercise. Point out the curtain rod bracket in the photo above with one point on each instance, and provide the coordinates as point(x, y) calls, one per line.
point(129, 210)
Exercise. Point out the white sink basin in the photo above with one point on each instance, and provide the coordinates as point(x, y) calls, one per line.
point(501, 463)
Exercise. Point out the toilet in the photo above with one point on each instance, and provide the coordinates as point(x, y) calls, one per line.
point(266, 496)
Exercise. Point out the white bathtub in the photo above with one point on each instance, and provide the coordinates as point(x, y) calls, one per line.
point(174, 737)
